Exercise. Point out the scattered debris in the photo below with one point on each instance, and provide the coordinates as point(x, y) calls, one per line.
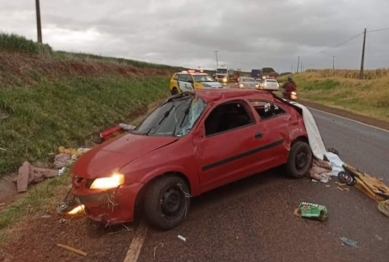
point(378, 237)
point(2, 204)
point(371, 186)
point(62, 171)
point(341, 189)
point(62, 160)
point(77, 251)
point(76, 210)
point(62, 220)
point(383, 207)
point(328, 186)
point(155, 248)
point(127, 228)
point(46, 216)
point(336, 163)
point(3, 149)
point(315, 181)
point(312, 211)
point(349, 242)
point(320, 170)
point(340, 184)
point(182, 238)
point(126, 127)
point(28, 174)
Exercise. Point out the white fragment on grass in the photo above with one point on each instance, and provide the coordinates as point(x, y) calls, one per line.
point(62, 171)
point(182, 238)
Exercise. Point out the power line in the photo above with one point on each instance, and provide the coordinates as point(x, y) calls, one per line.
point(378, 30)
point(342, 43)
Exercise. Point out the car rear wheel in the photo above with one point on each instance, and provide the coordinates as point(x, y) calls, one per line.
point(167, 202)
point(174, 91)
point(300, 160)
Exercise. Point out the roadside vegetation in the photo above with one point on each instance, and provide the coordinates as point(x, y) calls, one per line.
point(53, 98)
point(342, 89)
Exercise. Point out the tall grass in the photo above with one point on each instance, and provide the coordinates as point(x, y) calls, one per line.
point(354, 74)
point(368, 97)
point(20, 44)
point(39, 119)
point(73, 56)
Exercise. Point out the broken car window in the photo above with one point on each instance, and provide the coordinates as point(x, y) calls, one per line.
point(226, 117)
point(266, 109)
point(175, 117)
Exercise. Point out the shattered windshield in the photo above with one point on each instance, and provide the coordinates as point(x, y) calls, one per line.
point(175, 117)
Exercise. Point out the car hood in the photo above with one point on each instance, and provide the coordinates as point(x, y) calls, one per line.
point(104, 159)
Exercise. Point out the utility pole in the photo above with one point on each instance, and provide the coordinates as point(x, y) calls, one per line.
point(333, 63)
point(217, 60)
point(301, 67)
point(38, 20)
point(292, 67)
point(363, 54)
point(298, 64)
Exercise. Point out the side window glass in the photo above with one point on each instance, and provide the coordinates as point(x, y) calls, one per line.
point(266, 109)
point(182, 77)
point(227, 116)
point(189, 79)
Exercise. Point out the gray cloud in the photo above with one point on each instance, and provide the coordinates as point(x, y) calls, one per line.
point(247, 33)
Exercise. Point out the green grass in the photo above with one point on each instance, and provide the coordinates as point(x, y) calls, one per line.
point(62, 55)
point(20, 44)
point(37, 120)
point(369, 97)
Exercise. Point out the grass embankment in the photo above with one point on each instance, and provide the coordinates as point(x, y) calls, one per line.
point(62, 99)
point(369, 97)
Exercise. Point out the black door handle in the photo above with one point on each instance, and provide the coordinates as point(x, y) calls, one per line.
point(258, 135)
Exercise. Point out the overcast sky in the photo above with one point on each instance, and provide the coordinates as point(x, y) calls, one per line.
point(247, 33)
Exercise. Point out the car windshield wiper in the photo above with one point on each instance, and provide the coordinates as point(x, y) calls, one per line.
point(165, 115)
point(186, 113)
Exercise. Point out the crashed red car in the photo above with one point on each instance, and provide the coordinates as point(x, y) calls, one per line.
point(192, 143)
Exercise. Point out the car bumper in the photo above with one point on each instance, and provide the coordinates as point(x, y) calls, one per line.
point(113, 206)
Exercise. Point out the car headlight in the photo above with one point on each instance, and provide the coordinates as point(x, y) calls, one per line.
point(241, 85)
point(108, 182)
point(225, 80)
point(256, 86)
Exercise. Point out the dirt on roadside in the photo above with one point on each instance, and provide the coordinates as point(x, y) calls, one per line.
point(36, 240)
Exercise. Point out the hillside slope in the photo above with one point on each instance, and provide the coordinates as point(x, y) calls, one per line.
point(63, 99)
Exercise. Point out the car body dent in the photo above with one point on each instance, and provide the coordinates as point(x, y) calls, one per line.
point(143, 158)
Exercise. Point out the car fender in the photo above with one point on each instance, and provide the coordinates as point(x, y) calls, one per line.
point(171, 169)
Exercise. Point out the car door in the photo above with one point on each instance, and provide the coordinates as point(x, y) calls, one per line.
point(275, 125)
point(183, 83)
point(231, 146)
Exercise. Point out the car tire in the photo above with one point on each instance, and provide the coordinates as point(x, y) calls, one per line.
point(299, 160)
point(167, 202)
point(174, 91)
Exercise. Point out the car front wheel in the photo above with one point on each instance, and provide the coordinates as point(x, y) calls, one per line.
point(300, 160)
point(167, 202)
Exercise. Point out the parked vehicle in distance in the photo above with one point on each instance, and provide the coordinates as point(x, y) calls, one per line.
point(270, 84)
point(192, 143)
point(256, 74)
point(189, 80)
point(247, 82)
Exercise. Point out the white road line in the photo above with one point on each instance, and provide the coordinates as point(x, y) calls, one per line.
point(137, 243)
point(352, 120)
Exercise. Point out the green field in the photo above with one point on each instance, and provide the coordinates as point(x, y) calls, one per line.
point(369, 97)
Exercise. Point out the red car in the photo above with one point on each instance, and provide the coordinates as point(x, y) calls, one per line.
point(192, 143)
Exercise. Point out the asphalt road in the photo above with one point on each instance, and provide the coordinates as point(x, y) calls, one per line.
point(252, 220)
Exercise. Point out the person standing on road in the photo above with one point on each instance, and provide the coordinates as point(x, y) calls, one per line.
point(288, 88)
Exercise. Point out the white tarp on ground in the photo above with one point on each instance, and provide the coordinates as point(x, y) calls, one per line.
point(316, 142)
point(314, 137)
